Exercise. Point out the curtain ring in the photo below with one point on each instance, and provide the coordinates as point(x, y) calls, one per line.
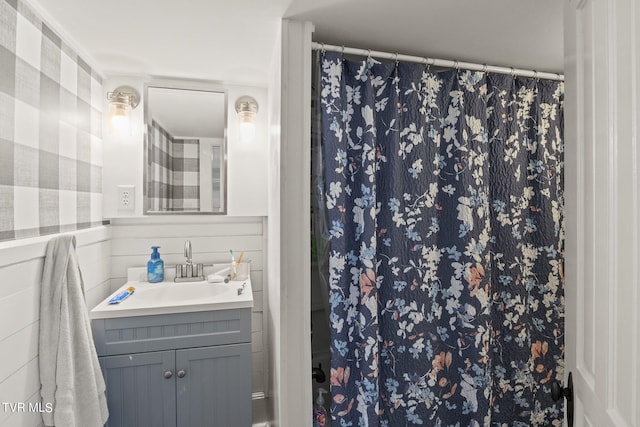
point(369, 54)
point(513, 72)
point(425, 61)
point(322, 48)
point(396, 58)
point(484, 68)
point(535, 75)
point(457, 65)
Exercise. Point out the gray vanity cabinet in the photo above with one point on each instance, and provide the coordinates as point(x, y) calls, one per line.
point(138, 394)
point(186, 369)
point(210, 393)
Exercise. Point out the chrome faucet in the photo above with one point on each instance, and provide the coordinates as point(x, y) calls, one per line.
point(187, 252)
point(189, 272)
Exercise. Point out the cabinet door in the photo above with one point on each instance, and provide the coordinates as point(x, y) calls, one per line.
point(141, 389)
point(213, 386)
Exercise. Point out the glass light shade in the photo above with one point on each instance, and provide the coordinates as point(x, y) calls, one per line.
point(247, 108)
point(122, 100)
point(120, 118)
point(247, 131)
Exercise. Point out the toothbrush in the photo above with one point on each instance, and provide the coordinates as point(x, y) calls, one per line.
point(240, 258)
point(233, 265)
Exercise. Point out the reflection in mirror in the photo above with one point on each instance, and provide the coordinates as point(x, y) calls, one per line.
point(185, 165)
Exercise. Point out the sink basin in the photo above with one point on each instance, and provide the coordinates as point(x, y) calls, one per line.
point(187, 291)
point(170, 297)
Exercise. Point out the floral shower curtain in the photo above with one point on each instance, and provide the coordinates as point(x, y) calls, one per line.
point(444, 202)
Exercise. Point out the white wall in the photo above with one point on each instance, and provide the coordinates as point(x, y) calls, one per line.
point(247, 163)
point(21, 265)
point(273, 230)
point(211, 238)
point(294, 278)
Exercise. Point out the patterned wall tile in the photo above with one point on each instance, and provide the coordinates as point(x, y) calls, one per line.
point(174, 170)
point(7, 115)
point(26, 201)
point(28, 41)
point(68, 207)
point(7, 228)
point(27, 83)
point(50, 130)
point(26, 124)
point(7, 71)
point(6, 162)
point(26, 163)
point(8, 19)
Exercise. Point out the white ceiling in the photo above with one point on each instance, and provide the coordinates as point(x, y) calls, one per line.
point(233, 41)
point(188, 113)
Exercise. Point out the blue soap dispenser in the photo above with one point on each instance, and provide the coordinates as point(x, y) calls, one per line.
point(155, 267)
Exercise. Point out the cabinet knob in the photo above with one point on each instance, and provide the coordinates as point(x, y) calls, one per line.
point(181, 373)
point(168, 374)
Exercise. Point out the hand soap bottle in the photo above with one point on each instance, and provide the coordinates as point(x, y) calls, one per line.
point(155, 267)
point(319, 413)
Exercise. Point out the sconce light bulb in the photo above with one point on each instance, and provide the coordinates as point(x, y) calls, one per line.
point(121, 124)
point(121, 101)
point(247, 108)
point(247, 131)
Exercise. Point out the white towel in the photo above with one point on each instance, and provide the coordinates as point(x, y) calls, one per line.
point(70, 375)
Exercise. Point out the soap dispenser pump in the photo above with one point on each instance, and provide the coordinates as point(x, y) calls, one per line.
point(155, 267)
point(319, 413)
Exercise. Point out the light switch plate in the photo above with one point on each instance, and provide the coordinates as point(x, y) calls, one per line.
point(126, 197)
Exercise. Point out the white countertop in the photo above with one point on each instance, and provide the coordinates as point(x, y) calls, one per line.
point(169, 297)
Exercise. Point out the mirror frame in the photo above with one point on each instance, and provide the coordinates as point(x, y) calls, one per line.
point(178, 84)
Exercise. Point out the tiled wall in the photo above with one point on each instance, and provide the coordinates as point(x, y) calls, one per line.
point(50, 130)
point(174, 171)
point(186, 175)
point(159, 167)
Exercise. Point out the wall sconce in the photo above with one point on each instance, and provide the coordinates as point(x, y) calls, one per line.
point(121, 101)
point(247, 109)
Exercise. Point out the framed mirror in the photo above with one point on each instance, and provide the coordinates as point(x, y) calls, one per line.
point(185, 149)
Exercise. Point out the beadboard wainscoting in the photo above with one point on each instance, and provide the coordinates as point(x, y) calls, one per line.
point(211, 239)
point(21, 263)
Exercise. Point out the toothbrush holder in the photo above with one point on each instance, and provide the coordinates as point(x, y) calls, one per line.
point(241, 271)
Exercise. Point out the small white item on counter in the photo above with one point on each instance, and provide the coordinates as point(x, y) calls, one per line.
point(217, 278)
point(223, 275)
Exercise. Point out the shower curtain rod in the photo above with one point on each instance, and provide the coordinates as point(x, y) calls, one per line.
point(438, 62)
